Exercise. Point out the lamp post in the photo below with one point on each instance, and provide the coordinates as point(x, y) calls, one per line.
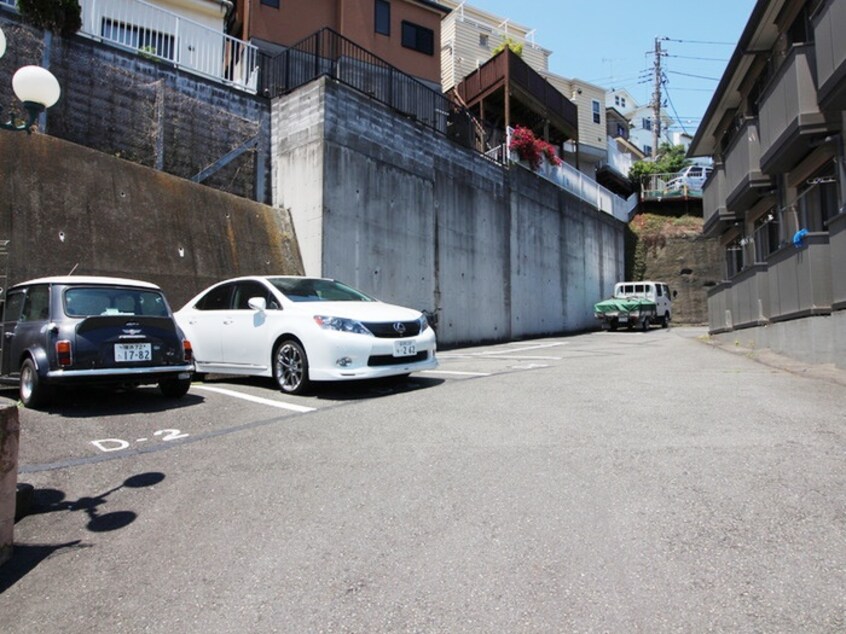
point(36, 88)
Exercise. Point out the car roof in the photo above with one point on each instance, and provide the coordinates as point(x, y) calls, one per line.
point(88, 280)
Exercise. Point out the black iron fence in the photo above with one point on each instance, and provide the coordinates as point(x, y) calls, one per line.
point(327, 53)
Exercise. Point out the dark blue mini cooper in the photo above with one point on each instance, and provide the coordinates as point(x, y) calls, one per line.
point(62, 331)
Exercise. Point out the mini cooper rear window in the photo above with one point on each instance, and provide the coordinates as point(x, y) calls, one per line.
point(87, 302)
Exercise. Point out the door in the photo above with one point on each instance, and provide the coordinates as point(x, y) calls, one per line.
point(11, 315)
point(204, 325)
point(250, 332)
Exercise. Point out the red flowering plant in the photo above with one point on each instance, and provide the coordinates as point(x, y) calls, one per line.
point(531, 149)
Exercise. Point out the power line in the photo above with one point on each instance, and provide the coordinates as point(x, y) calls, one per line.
point(673, 106)
point(675, 72)
point(701, 59)
point(669, 39)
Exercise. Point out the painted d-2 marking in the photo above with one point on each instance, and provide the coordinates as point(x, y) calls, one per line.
point(107, 445)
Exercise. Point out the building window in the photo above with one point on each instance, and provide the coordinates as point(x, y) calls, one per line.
point(418, 38)
point(271, 3)
point(734, 257)
point(765, 236)
point(597, 113)
point(483, 40)
point(818, 201)
point(133, 36)
point(383, 17)
point(622, 130)
point(647, 149)
point(646, 123)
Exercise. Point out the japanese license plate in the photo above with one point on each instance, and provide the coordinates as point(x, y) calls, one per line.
point(129, 352)
point(405, 348)
point(623, 318)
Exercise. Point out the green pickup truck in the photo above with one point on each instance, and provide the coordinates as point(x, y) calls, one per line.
point(636, 305)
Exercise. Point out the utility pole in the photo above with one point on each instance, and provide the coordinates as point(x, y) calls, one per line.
point(656, 99)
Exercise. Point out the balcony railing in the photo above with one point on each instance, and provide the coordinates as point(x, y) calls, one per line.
point(800, 280)
point(788, 111)
point(583, 187)
point(159, 34)
point(667, 186)
point(714, 207)
point(744, 180)
point(326, 53)
point(830, 51)
point(837, 237)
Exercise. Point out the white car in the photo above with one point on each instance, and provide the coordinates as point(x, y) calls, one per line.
point(303, 329)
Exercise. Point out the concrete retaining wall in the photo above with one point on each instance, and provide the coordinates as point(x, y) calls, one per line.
point(9, 439)
point(65, 207)
point(388, 206)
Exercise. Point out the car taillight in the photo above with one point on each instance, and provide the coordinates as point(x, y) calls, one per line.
point(63, 352)
point(187, 350)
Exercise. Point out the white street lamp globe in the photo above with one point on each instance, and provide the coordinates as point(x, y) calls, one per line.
point(2, 43)
point(36, 84)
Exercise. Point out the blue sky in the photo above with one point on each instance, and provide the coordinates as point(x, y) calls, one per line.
point(620, 33)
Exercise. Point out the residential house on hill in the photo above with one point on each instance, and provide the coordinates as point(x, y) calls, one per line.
point(470, 36)
point(775, 199)
point(404, 33)
point(640, 119)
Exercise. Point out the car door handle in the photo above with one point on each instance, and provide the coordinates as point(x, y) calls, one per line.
point(226, 322)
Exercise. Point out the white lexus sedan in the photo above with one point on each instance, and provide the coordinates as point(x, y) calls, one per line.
point(303, 329)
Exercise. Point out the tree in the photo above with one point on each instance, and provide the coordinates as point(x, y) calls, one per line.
point(670, 159)
point(507, 42)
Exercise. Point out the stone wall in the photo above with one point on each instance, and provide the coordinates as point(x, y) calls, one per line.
point(398, 211)
point(146, 111)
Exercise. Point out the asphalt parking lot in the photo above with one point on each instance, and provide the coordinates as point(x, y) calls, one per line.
point(600, 482)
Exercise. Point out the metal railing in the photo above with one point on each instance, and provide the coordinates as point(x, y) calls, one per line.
point(327, 53)
point(160, 34)
point(667, 186)
point(582, 186)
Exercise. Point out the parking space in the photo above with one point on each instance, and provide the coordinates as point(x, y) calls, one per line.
point(94, 425)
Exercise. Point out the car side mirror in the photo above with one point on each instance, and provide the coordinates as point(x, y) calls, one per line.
point(257, 303)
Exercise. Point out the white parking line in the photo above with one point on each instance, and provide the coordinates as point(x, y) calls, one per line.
point(455, 372)
point(254, 399)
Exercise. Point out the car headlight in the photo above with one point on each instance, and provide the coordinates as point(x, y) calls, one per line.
point(424, 323)
point(341, 324)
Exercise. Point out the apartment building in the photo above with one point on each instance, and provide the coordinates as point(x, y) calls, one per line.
point(775, 199)
point(404, 33)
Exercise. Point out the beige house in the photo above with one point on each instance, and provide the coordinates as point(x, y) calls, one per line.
point(592, 146)
point(469, 37)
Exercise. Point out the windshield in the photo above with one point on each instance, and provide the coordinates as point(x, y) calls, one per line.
point(317, 290)
point(89, 301)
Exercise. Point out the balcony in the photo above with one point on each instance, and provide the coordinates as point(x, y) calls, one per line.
point(789, 117)
point(837, 238)
point(800, 281)
point(831, 54)
point(163, 35)
point(505, 89)
point(719, 313)
point(744, 181)
point(714, 211)
point(750, 297)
